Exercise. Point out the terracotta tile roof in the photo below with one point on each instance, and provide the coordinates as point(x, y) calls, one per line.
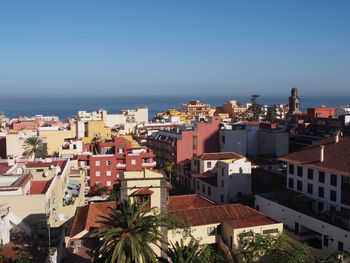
point(143, 191)
point(182, 202)
point(237, 215)
point(218, 156)
point(207, 177)
point(336, 156)
point(86, 216)
point(206, 174)
point(185, 162)
point(39, 187)
point(4, 169)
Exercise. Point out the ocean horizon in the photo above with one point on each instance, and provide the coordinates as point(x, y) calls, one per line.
point(65, 107)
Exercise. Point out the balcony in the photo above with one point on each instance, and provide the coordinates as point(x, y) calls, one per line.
point(152, 164)
point(305, 205)
point(121, 165)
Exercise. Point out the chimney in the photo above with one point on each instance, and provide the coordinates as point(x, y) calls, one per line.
point(321, 153)
point(336, 138)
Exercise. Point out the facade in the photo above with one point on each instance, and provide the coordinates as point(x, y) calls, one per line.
point(14, 142)
point(316, 204)
point(105, 160)
point(221, 177)
point(40, 195)
point(54, 137)
point(180, 143)
point(314, 113)
point(198, 109)
point(254, 138)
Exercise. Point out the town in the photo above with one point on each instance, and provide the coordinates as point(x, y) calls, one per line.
point(215, 174)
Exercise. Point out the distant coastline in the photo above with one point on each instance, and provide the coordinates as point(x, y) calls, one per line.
point(65, 107)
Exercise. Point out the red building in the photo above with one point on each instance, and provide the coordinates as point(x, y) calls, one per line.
point(313, 113)
point(25, 124)
point(107, 159)
point(180, 143)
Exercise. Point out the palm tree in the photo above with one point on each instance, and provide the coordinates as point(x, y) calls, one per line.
point(33, 146)
point(180, 253)
point(169, 168)
point(128, 234)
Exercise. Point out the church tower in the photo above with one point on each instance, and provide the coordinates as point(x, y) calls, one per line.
point(294, 102)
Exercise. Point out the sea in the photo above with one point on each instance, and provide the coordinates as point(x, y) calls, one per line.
point(65, 107)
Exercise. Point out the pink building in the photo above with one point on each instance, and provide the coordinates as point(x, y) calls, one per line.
point(107, 159)
point(180, 143)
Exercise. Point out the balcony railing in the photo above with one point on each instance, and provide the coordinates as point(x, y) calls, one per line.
point(149, 164)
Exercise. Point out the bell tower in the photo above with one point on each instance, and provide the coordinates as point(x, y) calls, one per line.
point(294, 102)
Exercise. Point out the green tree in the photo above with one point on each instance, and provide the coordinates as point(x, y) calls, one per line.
point(23, 256)
point(34, 147)
point(181, 253)
point(128, 234)
point(253, 246)
point(271, 114)
point(169, 168)
point(255, 108)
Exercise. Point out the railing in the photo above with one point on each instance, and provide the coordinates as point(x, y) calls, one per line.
point(149, 164)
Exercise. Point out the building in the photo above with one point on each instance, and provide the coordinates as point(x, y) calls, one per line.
point(316, 204)
point(205, 217)
point(314, 113)
point(14, 142)
point(184, 142)
point(221, 177)
point(254, 138)
point(294, 102)
point(105, 160)
point(41, 194)
point(54, 137)
point(198, 109)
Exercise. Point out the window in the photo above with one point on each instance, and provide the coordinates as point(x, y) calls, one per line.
point(334, 179)
point(270, 231)
point(223, 139)
point(310, 174)
point(194, 142)
point(320, 206)
point(321, 177)
point(208, 164)
point(98, 173)
point(300, 186)
point(291, 183)
point(97, 163)
point(310, 188)
point(325, 240)
point(333, 196)
point(133, 161)
point(222, 183)
point(222, 171)
point(211, 230)
point(321, 191)
point(291, 169)
point(198, 186)
point(209, 190)
point(109, 183)
point(108, 163)
point(39, 170)
point(203, 188)
point(109, 173)
point(222, 198)
point(300, 171)
point(340, 246)
point(144, 199)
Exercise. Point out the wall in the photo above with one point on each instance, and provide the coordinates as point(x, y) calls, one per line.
point(289, 217)
point(273, 142)
point(235, 141)
point(198, 232)
point(55, 139)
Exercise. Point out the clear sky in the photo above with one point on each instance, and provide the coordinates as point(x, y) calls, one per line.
point(174, 47)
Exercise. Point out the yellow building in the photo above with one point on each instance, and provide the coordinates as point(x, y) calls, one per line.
point(183, 116)
point(55, 138)
point(196, 109)
point(88, 130)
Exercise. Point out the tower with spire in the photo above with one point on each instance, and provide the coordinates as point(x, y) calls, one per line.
point(294, 102)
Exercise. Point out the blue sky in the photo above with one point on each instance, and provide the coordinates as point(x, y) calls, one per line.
point(174, 47)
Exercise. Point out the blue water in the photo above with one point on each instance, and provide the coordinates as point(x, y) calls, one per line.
point(68, 106)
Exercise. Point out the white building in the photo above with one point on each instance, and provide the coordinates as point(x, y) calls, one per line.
point(316, 204)
point(254, 138)
point(221, 177)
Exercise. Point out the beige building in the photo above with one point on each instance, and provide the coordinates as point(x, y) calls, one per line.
point(15, 142)
point(54, 137)
point(41, 194)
